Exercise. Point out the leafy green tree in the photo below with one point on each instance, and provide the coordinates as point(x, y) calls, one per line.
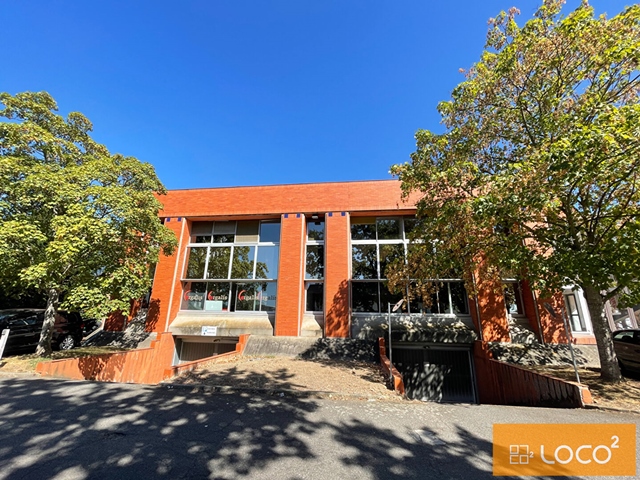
point(77, 224)
point(538, 170)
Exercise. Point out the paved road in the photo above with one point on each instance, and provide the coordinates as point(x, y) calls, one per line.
point(84, 430)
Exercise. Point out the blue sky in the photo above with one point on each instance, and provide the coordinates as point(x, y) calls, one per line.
point(225, 93)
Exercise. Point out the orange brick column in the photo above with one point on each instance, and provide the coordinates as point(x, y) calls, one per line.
point(166, 293)
point(493, 312)
point(336, 276)
point(552, 329)
point(290, 275)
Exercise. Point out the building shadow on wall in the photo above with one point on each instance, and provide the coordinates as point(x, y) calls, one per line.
point(92, 430)
point(336, 323)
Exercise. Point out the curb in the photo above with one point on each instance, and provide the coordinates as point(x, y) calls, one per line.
point(611, 409)
point(275, 392)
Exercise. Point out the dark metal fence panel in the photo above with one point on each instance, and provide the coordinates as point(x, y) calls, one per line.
point(435, 373)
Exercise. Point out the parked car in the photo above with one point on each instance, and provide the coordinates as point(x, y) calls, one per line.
point(25, 325)
point(627, 347)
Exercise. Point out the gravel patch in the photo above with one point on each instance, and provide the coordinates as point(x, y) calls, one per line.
point(335, 378)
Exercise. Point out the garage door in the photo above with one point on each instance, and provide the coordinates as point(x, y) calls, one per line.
point(434, 373)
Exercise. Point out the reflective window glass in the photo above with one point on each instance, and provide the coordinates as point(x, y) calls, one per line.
point(219, 262)
point(197, 259)
point(388, 229)
point(270, 232)
point(268, 299)
point(386, 298)
point(243, 259)
point(315, 297)
point(459, 298)
point(315, 262)
point(315, 230)
point(365, 297)
point(267, 262)
point(389, 253)
point(364, 262)
point(363, 229)
point(193, 296)
point(247, 231)
point(217, 297)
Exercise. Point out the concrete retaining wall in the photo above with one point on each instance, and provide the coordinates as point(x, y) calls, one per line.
point(147, 365)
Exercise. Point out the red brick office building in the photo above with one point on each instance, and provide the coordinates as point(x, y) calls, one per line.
point(308, 260)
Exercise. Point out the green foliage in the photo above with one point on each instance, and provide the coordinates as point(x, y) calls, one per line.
point(538, 170)
point(73, 217)
point(537, 175)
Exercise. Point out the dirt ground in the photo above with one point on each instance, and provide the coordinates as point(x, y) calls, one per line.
point(624, 395)
point(333, 378)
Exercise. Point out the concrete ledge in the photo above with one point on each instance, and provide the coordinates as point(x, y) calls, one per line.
point(189, 366)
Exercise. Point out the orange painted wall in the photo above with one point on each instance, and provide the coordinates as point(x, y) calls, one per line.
point(167, 290)
point(337, 270)
point(146, 365)
point(493, 312)
point(273, 200)
point(289, 300)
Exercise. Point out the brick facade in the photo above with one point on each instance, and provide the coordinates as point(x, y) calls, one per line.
point(292, 206)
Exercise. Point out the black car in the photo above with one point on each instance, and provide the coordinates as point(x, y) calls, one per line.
point(627, 347)
point(25, 326)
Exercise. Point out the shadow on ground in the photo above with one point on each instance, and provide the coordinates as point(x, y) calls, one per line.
point(86, 430)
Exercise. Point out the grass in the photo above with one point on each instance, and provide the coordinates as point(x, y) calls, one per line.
point(27, 363)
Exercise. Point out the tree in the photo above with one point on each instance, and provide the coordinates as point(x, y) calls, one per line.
point(77, 224)
point(537, 173)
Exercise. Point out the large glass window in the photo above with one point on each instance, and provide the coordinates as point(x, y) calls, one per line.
point(577, 320)
point(224, 259)
point(314, 266)
point(378, 242)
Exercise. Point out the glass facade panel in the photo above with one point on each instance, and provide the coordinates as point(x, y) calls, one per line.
point(267, 263)
point(364, 262)
point(387, 297)
point(315, 231)
point(217, 297)
point(247, 296)
point(388, 229)
point(219, 262)
point(224, 238)
point(389, 253)
point(315, 297)
point(409, 226)
point(255, 296)
point(268, 300)
point(193, 296)
point(315, 262)
point(247, 231)
point(196, 263)
point(365, 297)
point(577, 322)
point(459, 298)
point(363, 229)
point(270, 232)
point(230, 256)
point(243, 260)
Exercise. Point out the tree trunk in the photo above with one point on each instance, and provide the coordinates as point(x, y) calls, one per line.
point(609, 368)
point(44, 345)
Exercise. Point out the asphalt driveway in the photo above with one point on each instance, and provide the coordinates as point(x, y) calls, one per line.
point(84, 430)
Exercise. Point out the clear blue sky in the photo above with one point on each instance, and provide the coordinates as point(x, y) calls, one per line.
point(224, 93)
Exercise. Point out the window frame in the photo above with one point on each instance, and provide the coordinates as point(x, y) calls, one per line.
point(405, 241)
point(231, 281)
